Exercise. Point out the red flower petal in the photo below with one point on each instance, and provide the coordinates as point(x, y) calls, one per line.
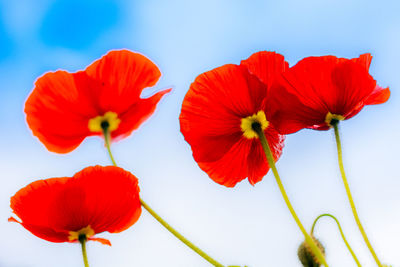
point(101, 240)
point(57, 112)
point(246, 158)
point(257, 163)
point(288, 111)
point(137, 114)
point(231, 168)
point(104, 198)
point(353, 85)
point(122, 75)
point(266, 65)
point(60, 106)
point(364, 60)
point(32, 203)
point(213, 108)
point(210, 120)
point(44, 232)
point(378, 96)
point(317, 85)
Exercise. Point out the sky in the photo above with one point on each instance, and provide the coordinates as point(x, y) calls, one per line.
point(245, 225)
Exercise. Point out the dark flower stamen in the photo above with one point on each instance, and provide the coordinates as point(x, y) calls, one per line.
point(334, 122)
point(82, 238)
point(256, 126)
point(104, 125)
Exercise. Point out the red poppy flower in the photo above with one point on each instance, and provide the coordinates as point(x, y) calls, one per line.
point(318, 91)
point(64, 108)
point(217, 117)
point(94, 200)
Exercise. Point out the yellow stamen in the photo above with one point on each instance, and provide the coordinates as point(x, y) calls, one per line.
point(87, 231)
point(96, 124)
point(329, 117)
point(247, 124)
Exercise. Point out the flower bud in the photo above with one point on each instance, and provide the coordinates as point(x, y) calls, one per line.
point(306, 256)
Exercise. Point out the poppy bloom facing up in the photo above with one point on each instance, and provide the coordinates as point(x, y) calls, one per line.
point(218, 117)
point(94, 200)
point(64, 108)
point(320, 91)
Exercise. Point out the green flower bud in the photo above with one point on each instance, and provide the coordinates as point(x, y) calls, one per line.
point(306, 257)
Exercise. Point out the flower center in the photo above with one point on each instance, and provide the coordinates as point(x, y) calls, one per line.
point(84, 233)
point(333, 119)
point(108, 122)
point(250, 124)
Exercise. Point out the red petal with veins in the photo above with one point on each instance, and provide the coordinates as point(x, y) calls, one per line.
point(60, 106)
point(122, 76)
point(210, 121)
point(306, 92)
point(266, 66)
point(104, 198)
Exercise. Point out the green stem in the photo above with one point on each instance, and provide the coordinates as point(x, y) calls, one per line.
point(341, 233)
point(160, 220)
point(107, 138)
point(346, 185)
point(271, 162)
point(179, 236)
point(82, 240)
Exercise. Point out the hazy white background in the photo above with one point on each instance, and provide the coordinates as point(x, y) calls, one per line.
point(244, 225)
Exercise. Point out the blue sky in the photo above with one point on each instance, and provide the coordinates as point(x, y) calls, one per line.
point(246, 224)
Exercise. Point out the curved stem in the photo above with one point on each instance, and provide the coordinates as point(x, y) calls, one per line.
point(160, 220)
point(341, 233)
point(271, 162)
point(83, 243)
point(346, 185)
point(179, 236)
